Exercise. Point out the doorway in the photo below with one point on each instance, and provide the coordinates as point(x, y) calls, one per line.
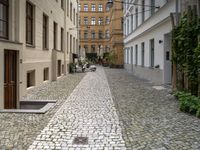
point(167, 59)
point(10, 79)
point(59, 68)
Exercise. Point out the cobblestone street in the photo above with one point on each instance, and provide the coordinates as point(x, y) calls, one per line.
point(17, 130)
point(89, 112)
point(150, 118)
point(135, 116)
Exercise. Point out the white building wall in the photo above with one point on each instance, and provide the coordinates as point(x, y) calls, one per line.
point(154, 27)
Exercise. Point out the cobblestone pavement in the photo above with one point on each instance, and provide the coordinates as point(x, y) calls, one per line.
point(17, 131)
point(88, 112)
point(150, 119)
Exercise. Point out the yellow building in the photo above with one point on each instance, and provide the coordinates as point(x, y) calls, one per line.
point(101, 29)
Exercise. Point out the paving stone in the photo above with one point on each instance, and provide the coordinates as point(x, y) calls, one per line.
point(87, 112)
point(150, 119)
point(19, 130)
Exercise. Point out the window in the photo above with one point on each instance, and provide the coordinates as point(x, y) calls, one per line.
point(71, 11)
point(74, 45)
point(107, 20)
point(136, 55)
point(29, 23)
point(67, 42)
point(143, 10)
point(131, 54)
point(70, 43)
point(152, 7)
point(100, 21)
point(152, 53)
point(107, 8)
point(142, 55)
point(30, 77)
point(55, 35)
point(46, 74)
point(100, 7)
point(136, 17)
point(79, 20)
point(128, 26)
point(93, 34)
point(74, 16)
point(128, 55)
point(4, 19)
point(100, 35)
point(59, 68)
point(61, 39)
point(93, 48)
point(85, 20)
point(107, 48)
point(86, 48)
point(85, 34)
point(93, 21)
point(85, 7)
point(67, 7)
point(93, 7)
point(107, 34)
point(45, 31)
point(79, 7)
point(62, 4)
point(131, 22)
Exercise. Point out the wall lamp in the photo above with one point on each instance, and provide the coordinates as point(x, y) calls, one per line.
point(110, 4)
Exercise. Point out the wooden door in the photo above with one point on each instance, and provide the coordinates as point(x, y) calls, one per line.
point(10, 78)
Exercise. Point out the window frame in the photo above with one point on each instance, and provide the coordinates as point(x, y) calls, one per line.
point(55, 34)
point(100, 7)
point(93, 7)
point(152, 53)
point(93, 21)
point(5, 4)
point(32, 21)
point(62, 39)
point(85, 7)
point(45, 31)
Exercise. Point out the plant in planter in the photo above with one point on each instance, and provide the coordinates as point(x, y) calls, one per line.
point(72, 67)
point(111, 59)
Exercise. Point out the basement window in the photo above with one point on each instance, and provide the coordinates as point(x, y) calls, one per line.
point(30, 78)
point(46, 74)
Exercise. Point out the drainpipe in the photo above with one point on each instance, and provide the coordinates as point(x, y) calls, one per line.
point(77, 21)
point(65, 38)
point(177, 12)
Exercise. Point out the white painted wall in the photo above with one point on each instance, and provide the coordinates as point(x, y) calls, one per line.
point(154, 27)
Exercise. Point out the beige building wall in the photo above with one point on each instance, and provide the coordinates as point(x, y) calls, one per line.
point(115, 40)
point(34, 57)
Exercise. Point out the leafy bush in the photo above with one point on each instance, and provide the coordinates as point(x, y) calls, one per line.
point(198, 112)
point(189, 103)
point(72, 67)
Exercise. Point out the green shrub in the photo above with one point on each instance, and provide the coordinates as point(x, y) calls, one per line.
point(198, 112)
point(189, 103)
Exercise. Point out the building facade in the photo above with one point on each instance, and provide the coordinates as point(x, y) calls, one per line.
point(36, 45)
point(100, 32)
point(147, 39)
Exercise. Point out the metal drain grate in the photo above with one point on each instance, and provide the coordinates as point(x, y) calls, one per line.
point(80, 141)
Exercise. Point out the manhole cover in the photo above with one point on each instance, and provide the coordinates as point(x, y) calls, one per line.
point(80, 140)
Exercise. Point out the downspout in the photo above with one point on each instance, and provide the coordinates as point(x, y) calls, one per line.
point(65, 38)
